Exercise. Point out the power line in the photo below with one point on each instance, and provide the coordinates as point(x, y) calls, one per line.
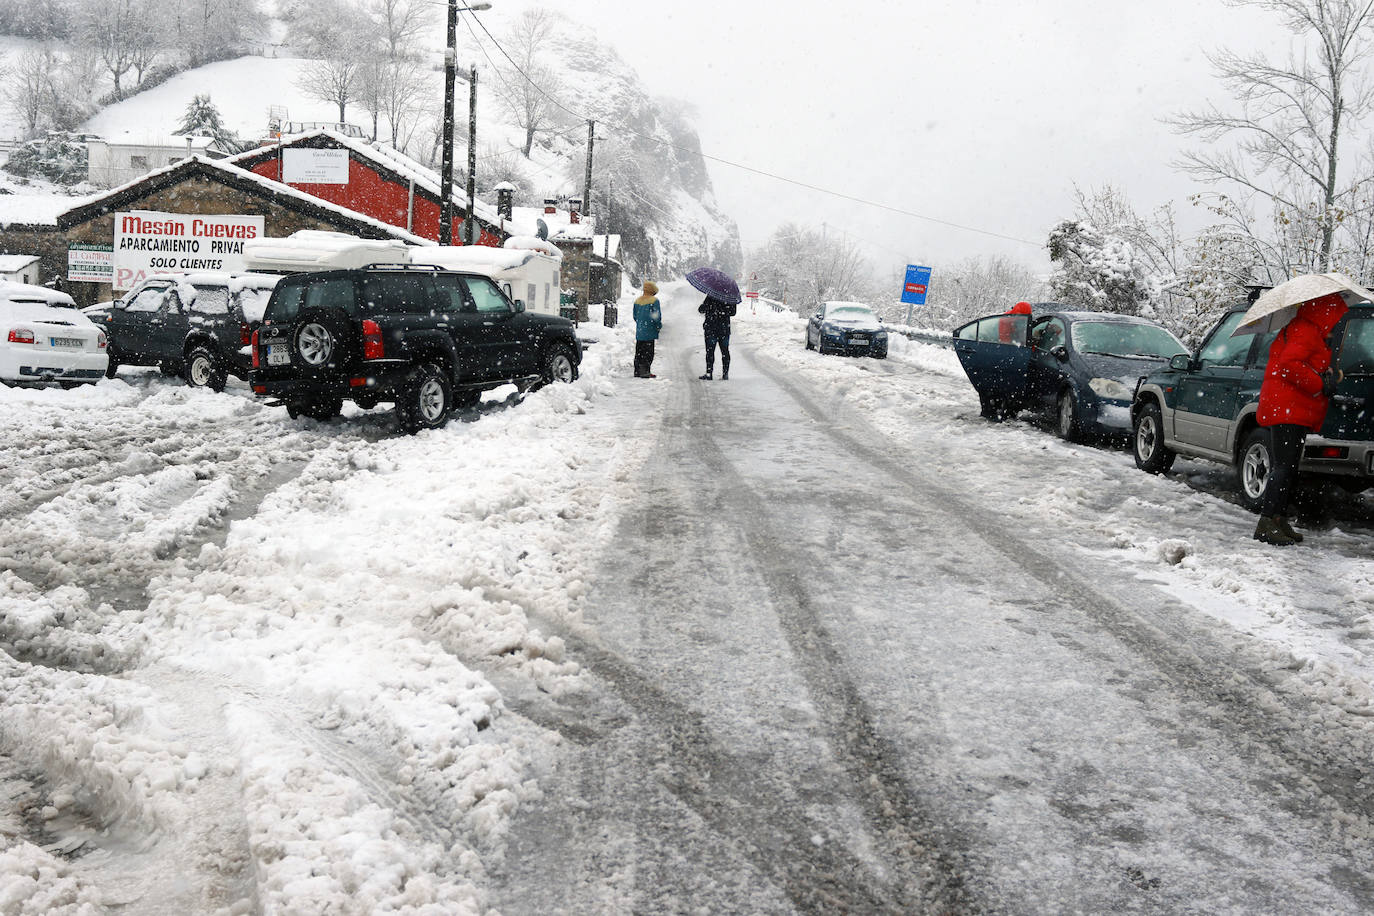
point(746, 168)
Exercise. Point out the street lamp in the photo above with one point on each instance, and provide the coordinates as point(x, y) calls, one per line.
point(446, 173)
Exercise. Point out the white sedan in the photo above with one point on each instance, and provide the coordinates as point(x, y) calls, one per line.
point(44, 337)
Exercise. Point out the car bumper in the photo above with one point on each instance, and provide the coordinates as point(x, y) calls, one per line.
point(1341, 457)
point(54, 365)
point(373, 383)
point(851, 348)
point(1111, 418)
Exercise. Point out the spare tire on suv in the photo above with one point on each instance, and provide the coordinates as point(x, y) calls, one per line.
point(420, 337)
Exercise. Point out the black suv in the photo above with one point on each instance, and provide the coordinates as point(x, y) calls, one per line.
point(199, 325)
point(422, 337)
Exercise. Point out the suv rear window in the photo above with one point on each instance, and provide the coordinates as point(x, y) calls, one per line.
point(1357, 346)
point(399, 294)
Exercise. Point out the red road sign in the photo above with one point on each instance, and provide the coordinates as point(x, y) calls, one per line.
point(918, 289)
point(751, 295)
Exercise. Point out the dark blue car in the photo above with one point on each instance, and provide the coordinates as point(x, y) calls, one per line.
point(1080, 368)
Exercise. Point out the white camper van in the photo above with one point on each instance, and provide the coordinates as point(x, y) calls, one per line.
point(315, 249)
point(527, 270)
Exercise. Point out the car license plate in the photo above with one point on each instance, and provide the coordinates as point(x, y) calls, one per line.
point(277, 355)
point(67, 343)
point(859, 339)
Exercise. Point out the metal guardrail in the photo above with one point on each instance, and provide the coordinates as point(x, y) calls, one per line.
point(937, 338)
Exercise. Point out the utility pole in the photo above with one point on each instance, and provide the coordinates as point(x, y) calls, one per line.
point(587, 185)
point(446, 168)
point(470, 232)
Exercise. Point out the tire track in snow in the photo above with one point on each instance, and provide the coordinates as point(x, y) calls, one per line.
point(1246, 703)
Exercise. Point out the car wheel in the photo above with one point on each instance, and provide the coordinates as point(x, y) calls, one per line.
point(112, 367)
point(1067, 417)
point(1256, 468)
point(426, 400)
point(315, 343)
point(205, 370)
point(1151, 455)
point(558, 366)
point(880, 354)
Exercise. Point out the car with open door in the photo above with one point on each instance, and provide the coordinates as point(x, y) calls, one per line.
point(1079, 368)
point(1203, 405)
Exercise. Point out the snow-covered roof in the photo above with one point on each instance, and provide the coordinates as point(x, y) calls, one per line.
point(533, 243)
point(394, 161)
point(154, 139)
point(36, 209)
point(559, 222)
point(27, 292)
point(9, 263)
point(268, 186)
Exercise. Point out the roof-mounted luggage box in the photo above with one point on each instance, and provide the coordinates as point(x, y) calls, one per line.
point(313, 249)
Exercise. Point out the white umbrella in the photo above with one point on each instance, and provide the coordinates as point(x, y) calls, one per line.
point(1276, 307)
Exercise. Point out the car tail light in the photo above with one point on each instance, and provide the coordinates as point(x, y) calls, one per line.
point(21, 335)
point(245, 333)
point(104, 341)
point(1331, 451)
point(372, 340)
point(254, 344)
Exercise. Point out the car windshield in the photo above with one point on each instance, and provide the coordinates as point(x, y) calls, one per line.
point(850, 313)
point(1122, 338)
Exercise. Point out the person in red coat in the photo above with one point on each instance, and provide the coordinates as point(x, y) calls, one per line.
point(1007, 326)
point(1298, 384)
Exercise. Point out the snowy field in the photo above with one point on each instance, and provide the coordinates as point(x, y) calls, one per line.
point(252, 664)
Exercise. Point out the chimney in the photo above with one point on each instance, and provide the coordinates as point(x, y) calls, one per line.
point(505, 199)
point(575, 209)
point(550, 205)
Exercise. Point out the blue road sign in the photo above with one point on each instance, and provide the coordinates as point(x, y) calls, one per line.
point(914, 289)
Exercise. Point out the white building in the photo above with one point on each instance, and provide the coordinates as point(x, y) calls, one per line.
point(118, 160)
point(19, 268)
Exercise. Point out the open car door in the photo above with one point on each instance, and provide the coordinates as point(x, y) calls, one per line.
point(994, 354)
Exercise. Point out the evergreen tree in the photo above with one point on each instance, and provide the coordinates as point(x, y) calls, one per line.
point(202, 119)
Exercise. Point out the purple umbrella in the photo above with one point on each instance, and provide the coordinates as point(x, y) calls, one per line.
point(716, 285)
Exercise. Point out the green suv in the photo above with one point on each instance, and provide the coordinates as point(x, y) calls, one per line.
point(1203, 406)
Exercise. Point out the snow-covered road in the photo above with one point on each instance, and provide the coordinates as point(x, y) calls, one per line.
point(815, 639)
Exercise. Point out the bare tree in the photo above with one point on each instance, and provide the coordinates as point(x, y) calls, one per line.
point(1294, 116)
point(334, 80)
point(120, 32)
point(812, 267)
point(25, 88)
point(391, 88)
point(527, 89)
point(401, 21)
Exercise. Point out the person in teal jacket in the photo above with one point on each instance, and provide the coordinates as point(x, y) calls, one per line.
point(648, 322)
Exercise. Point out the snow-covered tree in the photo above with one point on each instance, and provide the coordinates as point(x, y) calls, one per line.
point(26, 88)
point(809, 267)
point(974, 287)
point(123, 32)
point(202, 119)
point(401, 22)
point(334, 80)
point(528, 87)
point(1098, 269)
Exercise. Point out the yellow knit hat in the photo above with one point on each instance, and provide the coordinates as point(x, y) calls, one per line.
point(650, 288)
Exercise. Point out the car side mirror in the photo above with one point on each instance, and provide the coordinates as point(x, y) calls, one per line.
point(519, 305)
point(1181, 361)
point(1060, 353)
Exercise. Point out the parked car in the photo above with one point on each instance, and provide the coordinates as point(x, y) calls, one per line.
point(1080, 368)
point(1203, 405)
point(199, 325)
point(847, 327)
point(45, 338)
point(422, 337)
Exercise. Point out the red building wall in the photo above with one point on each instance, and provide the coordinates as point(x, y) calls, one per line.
point(373, 194)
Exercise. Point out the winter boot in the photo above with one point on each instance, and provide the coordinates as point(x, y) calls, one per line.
point(725, 374)
point(1289, 530)
point(707, 376)
point(1269, 531)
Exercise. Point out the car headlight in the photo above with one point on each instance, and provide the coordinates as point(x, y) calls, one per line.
point(1110, 388)
point(880, 335)
point(831, 331)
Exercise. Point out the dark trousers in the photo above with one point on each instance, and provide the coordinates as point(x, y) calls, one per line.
point(1286, 440)
point(644, 357)
point(716, 338)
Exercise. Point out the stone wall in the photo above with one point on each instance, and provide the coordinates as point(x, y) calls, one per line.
point(47, 242)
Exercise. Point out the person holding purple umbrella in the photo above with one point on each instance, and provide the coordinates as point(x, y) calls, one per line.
point(722, 295)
